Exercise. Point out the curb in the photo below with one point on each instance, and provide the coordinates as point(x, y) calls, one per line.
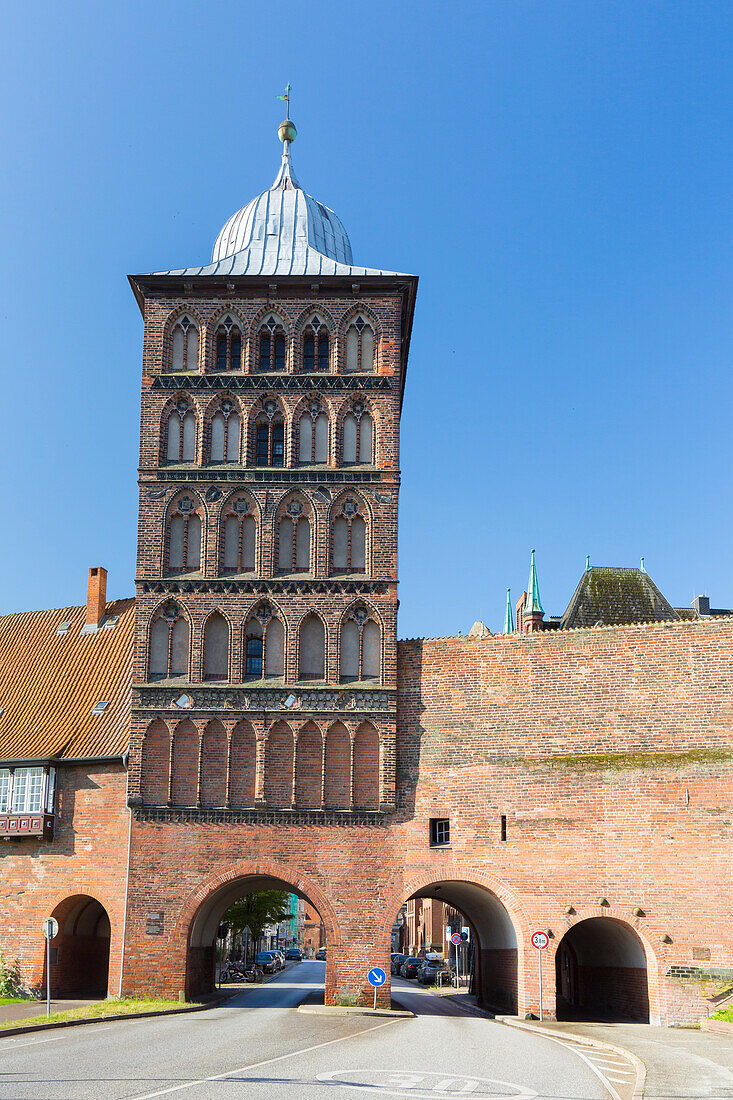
point(717, 1027)
point(582, 1040)
point(354, 1010)
point(8, 1032)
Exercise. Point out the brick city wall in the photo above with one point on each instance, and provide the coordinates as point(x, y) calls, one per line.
point(608, 752)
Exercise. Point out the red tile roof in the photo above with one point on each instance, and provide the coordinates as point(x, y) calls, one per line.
point(49, 683)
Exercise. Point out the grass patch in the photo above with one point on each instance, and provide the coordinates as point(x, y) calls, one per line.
point(14, 1000)
point(123, 1006)
point(725, 1014)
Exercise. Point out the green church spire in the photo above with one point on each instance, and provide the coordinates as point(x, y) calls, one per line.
point(508, 614)
point(533, 591)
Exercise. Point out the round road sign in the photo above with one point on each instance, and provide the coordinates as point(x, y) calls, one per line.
point(456, 938)
point(376, 976)
point(540, 940)
point(50, 928)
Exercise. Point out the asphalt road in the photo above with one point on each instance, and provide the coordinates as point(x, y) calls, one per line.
point(256, 1046)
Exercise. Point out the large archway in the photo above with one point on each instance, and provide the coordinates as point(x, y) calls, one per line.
point(207, 917)
point(80, 950)
point(601, 972)
point(491, 954)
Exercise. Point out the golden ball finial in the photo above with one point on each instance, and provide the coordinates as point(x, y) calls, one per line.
point(286, 130)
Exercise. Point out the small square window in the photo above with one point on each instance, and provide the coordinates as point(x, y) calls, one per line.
point(439, 832)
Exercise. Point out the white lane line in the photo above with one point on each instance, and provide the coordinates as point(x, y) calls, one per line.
point(266, 1062)
point(572, 1047)
point(37, 1042)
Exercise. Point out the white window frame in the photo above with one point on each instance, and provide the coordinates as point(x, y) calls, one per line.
point(27, 790)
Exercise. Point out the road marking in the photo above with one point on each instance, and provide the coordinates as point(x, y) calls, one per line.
point(256, 1065)
point(595, 1069)
point(37, 1042)
point(395, 1082)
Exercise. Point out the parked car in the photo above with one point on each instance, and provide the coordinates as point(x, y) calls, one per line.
point(268, 961)
point(294, 954)
point(397, 961)
point(431, 968)
point(321, 954)
point(410, 966)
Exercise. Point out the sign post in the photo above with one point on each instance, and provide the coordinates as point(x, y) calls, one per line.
point(50, 931)
point(376, 977)
point(456, 941)
point(540, 940)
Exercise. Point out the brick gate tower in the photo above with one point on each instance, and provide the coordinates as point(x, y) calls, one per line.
point(265, 654)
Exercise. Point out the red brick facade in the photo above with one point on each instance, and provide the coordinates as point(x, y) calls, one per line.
point(585, 774)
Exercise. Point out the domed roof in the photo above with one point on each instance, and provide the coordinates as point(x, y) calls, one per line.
point(284, 220)
point(284, 231)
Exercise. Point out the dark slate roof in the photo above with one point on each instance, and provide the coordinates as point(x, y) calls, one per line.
point(607, 596)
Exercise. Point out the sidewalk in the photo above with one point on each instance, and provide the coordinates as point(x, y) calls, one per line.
point(25, 1009)
point(681, 1063)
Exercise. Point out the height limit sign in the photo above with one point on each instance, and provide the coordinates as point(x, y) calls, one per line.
point(540, 940)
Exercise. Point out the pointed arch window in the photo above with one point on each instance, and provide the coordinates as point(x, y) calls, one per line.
point(293, 539)
point(239, 532)
point(312, 649)
point(271, 345)
point(168, 644)
point(264, 645)
point(181, 434)
point(360, 648)
point(228, 345)
point(348, 539)
point(184, 537)
point(316, 346)
point(357, 440)
point(226, 430)
point(360, 345)
point(184, 346)
point(313, 436)
point(269, 437)
point(216, 648)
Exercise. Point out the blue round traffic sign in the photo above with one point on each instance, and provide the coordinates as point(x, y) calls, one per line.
point(376, 976)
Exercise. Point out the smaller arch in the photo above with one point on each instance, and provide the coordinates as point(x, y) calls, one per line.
point(155, 765)
point(228, 343)
point(309, 767)
point(224, 431)
point(185, 764)
point(359, 342)
point(238, 530)
point(360, 644)
point(350, 534)
point(279, 766)
point(316, 343)
point(214, 751)
point(178, 432)
point(312, 648)
point(357, 435)
point(216, 647)
point(294, 534)
point(312, 426)
point(337, 777)
point(366, 767)
point(168, 642)
point(185, 342)
point(242, 765)
point(271, 343)
point(80, 950)
point(184, 523)
point(264, 643)
point(601, 972)
point(267, 433)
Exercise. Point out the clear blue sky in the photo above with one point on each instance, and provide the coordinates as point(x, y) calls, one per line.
point(557, 174)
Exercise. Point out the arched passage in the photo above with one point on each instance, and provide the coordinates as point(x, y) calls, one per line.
point(492, 952)
point(80, 951)
point(601, 971)
point(204, 920)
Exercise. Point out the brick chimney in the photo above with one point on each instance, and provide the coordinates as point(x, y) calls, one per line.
point(96, 598)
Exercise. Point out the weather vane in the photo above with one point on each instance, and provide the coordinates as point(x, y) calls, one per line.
point(286, 97)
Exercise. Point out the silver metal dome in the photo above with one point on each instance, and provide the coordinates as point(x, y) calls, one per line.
point(281, 224)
